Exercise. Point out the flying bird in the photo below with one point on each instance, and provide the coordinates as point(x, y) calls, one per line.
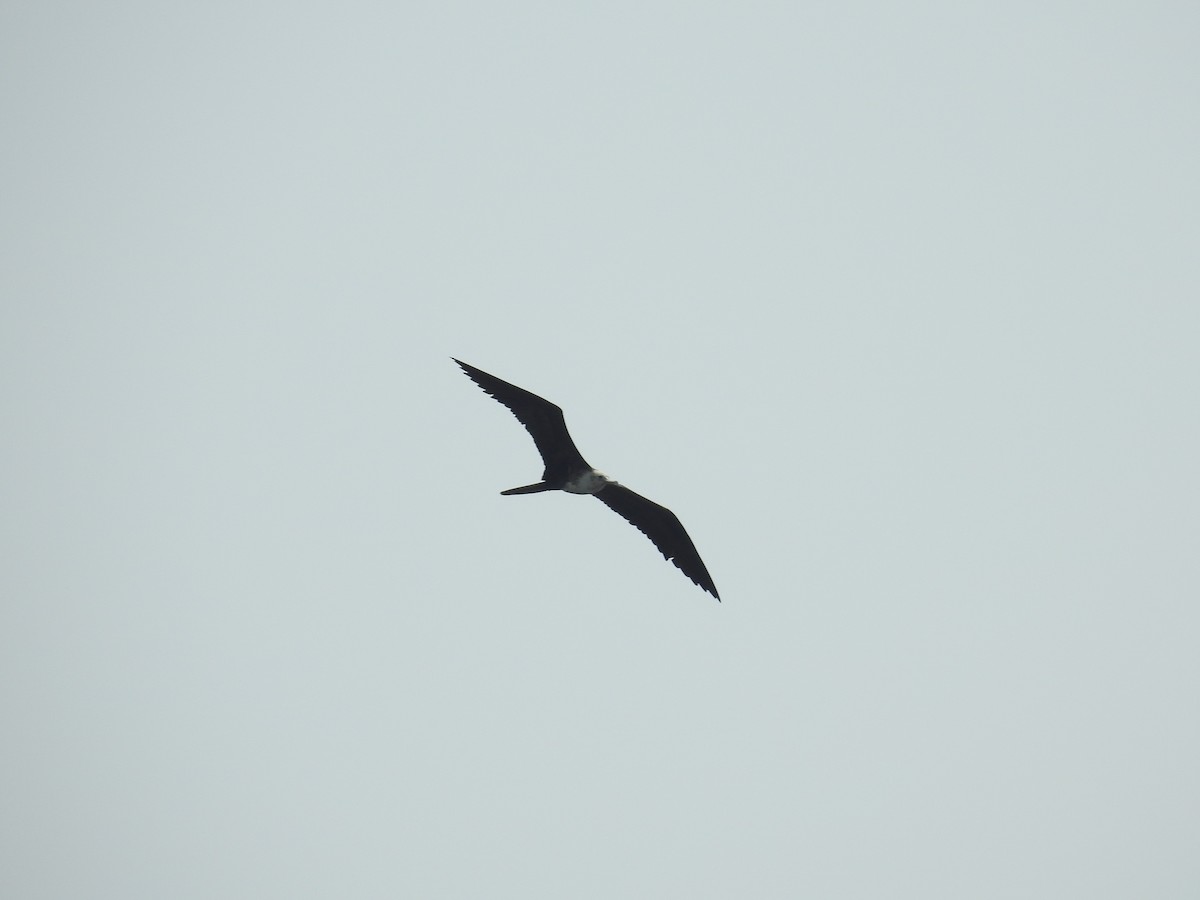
point(567, 470)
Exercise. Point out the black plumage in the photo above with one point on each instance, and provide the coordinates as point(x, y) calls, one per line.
point(566, 469)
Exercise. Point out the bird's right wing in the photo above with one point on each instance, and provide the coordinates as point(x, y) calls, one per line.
point(663, 528)
point(542, 419)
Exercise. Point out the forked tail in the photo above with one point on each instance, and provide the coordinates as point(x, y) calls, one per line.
point(529, 489)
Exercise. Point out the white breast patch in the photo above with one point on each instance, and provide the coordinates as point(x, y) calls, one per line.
point(587, 483)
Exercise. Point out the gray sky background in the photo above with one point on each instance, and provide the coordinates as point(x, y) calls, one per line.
point(894, 304)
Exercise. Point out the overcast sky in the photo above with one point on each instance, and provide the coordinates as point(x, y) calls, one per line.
point(894, 304)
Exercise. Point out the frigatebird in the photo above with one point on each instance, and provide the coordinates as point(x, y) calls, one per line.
point(567, 470)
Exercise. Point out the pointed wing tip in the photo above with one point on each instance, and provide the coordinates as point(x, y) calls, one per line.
point(708, 588)
point(665, 531)
point(478, 376)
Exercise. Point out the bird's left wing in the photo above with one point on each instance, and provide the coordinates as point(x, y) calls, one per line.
point(663, 528)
